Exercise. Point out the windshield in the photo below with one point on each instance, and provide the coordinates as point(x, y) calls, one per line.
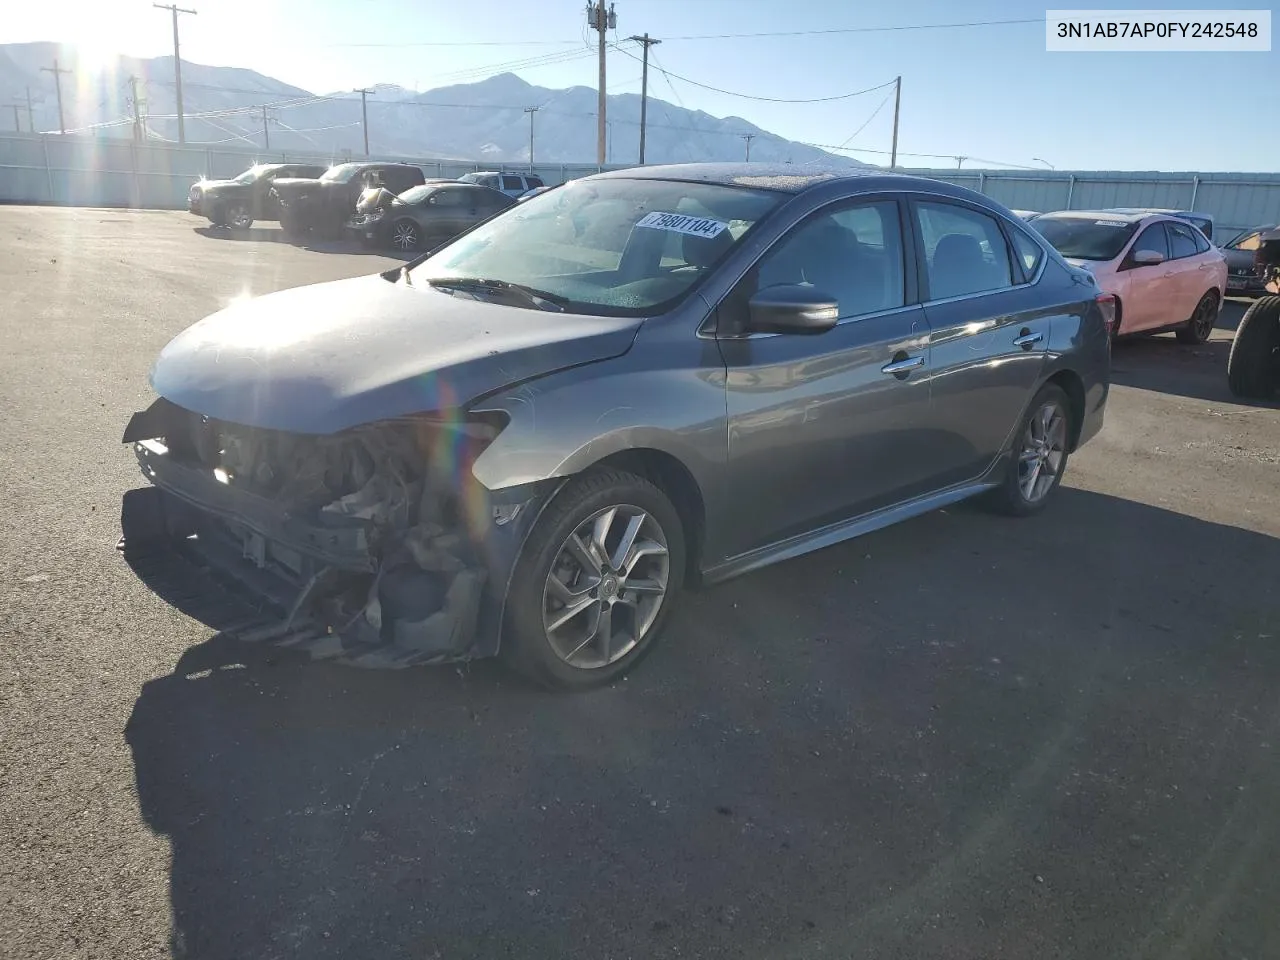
point(417, 194)
point(341, 173)
point(250, 175)
point(618, 247)
point(1248, 241)
point(1086, 239)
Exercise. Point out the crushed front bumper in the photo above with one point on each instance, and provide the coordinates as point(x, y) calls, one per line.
point(333, 585)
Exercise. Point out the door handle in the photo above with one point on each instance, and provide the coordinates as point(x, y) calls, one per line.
point(903, 366)
point(1170, 273)
point(1026, 339)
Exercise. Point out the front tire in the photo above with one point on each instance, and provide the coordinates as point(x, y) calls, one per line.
point(1253, 366)
point(595, 583)
point(238, 217)
point(1039, 456)
point(1200, 326)
point(405, 235)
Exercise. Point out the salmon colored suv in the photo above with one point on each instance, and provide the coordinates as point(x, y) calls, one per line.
point(1162, 271)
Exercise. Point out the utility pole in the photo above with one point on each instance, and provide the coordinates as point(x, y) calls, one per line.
point(897, 103)
point(31, 114)
point(266, 134)
point(57, 82)
point(531, 111)
point(364, 114)
point(137, 113)
point(748, 137)
point(17, 124)
point(602, 21)
point(645, 42)
point(177, 62)
point(960, 162)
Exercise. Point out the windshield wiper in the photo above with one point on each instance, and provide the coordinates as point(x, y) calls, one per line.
point(537, 298)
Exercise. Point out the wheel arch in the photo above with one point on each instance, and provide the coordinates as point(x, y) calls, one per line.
point(1072, 385)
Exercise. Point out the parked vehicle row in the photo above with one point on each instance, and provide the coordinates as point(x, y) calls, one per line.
point(376, 202)
point(625, 386)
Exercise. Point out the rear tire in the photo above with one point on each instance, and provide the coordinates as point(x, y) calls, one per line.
point(1039, 456)
point(623, 593)
point(1200, 326)
point(1253, 367)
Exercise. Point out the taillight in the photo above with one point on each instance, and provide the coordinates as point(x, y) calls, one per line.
point(1107, 305)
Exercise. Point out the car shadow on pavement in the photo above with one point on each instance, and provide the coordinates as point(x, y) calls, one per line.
point(1164, 365)
point(276, 235)
point(964, 730)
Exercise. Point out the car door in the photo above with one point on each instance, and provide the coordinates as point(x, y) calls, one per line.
point(824, 427)
point(1148, 295)
point(444, 214)
point(1191, 266)
point(988, 331)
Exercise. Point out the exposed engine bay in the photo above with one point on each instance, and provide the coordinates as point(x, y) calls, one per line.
point(372, 539)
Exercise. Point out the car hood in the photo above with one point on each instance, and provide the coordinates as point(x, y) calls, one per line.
point(296, 186)
point(207, 185)
point(326, 357)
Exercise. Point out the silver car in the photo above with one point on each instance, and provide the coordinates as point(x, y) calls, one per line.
point(530, 441)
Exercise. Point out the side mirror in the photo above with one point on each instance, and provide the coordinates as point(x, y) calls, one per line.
point(791, 308)
point(1148, 258)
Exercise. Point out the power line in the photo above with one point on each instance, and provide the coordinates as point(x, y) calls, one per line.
point(748, 96)
point(866, 122)
point(704, 36)
point(843, 30)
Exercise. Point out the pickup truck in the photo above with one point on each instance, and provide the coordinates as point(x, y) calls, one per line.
point(324, 204)
point(246, 198)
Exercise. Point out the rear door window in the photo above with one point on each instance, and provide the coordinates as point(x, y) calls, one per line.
point(512, 183)
point(1182, 241)
point(965, 251)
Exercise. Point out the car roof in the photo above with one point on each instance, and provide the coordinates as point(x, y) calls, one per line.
point(1167, 211)
point(781, 177)
point(1126, 216)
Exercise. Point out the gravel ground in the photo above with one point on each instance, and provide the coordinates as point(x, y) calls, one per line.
point(963, 737)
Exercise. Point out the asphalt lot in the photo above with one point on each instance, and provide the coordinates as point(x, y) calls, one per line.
point(963, 737)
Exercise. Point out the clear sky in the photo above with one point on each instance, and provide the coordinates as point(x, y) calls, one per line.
point(989, 92)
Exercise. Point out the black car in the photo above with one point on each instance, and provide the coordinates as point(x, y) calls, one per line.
point(248, 197)
point(324, 204)
point(1245, 275)
point(426, 216)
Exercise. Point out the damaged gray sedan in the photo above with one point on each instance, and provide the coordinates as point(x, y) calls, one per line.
point(528, 441)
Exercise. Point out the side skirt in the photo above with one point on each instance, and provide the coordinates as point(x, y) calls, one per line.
point(847, 529)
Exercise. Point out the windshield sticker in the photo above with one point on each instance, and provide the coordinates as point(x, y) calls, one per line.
point(1110, 223)
point(679, 223)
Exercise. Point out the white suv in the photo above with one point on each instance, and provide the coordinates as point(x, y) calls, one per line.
point(512, 184)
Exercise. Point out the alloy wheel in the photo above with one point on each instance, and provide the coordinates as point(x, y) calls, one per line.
point(1203, 322)
point(239, 218)
point(1044, 447)
point(405, 236)
point(606, 587)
